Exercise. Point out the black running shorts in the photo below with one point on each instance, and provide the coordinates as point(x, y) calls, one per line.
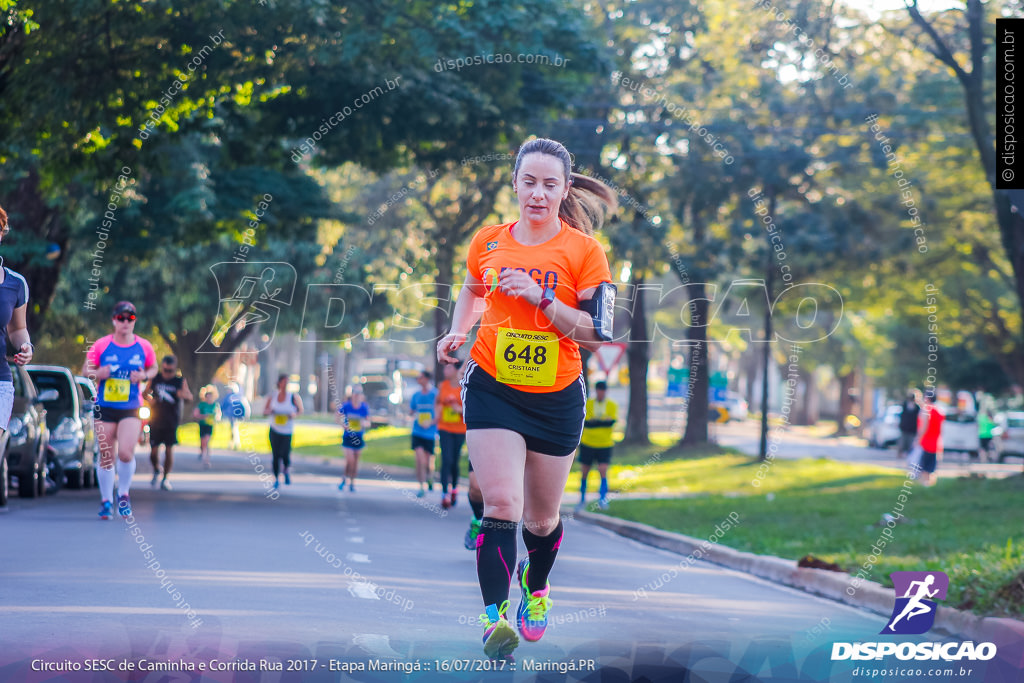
point(107, 414)
point(589, 455)
point(163, 434)
point(424, 443)
point(551, 423)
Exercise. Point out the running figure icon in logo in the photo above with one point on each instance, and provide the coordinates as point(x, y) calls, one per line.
point(913, 608)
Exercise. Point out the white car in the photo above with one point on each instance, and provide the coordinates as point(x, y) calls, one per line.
point(884, 430)
point(736, 405)
point(960, 434)
point(1012, 438)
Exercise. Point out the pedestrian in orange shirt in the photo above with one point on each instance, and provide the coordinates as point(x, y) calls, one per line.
point(540, 287)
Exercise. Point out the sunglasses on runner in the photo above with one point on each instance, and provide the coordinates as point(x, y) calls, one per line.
point(124, 317)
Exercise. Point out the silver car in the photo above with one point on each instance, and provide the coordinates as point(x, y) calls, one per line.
point(884, 430)
point(1012, 438)
point(70, 421)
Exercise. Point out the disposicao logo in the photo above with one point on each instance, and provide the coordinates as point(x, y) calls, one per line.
point(914, 614)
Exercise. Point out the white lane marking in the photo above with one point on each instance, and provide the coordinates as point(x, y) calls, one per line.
point(363, 589)
point(357, 557)
point(355, 539)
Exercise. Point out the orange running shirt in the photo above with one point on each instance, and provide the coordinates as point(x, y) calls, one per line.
point(516, 343)
point(450, 419)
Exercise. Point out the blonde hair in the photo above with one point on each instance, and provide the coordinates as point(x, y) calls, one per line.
point(208, 392)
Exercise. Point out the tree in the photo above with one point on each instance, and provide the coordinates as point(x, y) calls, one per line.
point(946, 48)
point(241, 102)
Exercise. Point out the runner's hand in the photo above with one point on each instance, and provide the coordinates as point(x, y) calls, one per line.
point(137, 375)
point(448, 345)
point(24, 356)
point(516, 283)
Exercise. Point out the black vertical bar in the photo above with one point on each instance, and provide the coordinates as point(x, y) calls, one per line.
point(1009, 135)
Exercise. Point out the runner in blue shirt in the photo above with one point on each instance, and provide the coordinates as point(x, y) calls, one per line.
point(13, 306)
point(354, 414)
point(424, 431)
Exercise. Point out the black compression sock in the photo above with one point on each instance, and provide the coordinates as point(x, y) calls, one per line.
point(495, 558)
point(542, 550)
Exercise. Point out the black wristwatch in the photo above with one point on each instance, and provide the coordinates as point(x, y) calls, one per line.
point(546, 298)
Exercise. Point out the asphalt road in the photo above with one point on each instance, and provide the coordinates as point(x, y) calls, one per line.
point(323, 582)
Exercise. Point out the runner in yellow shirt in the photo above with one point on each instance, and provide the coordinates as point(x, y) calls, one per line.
point(596, 444)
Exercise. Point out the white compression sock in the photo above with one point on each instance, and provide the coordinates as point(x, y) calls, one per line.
point(105, 478)
point(125, 470)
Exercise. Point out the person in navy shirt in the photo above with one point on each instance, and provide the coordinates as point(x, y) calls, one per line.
point(13, 328)
point(355, 415)
point(117, 363)
point(424, 431)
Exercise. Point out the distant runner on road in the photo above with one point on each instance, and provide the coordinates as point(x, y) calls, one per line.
point(543, 287)
point(206, 413)
point(282, 408)
point(424, 431)
point(451, 431)
point(165, 393)
point(118, 362)
point(354, 414)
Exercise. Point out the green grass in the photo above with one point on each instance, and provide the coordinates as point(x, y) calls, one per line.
point(384, 445)
point(968, 528)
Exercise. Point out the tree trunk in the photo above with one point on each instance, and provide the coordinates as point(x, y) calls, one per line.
point(846, 384)
point(803, 413)
point(638, 354)
point(443, 291)
point(697, 410)
point(1011, 228)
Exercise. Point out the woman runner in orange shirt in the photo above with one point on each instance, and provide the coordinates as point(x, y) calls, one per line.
point(543, 287)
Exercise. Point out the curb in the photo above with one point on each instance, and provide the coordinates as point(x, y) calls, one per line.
point(1008, 634)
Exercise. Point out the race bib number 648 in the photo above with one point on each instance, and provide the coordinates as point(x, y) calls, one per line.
point(526, 357)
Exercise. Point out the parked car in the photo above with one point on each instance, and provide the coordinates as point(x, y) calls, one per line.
point(960, 434)
point(387, 384)
point(884, 430)
point(90, 393)
point(1012, 439)
point(70, 421)
point(24, 442)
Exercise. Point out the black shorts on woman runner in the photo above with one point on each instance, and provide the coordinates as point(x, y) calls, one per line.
point(550, 423)
point(108, 414)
